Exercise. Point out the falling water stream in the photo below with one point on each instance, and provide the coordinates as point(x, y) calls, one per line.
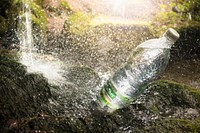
point(48, 65)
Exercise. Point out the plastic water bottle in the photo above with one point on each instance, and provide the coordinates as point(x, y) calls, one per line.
point(145, 63)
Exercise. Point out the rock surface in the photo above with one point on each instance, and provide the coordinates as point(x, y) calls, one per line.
point(29, 104)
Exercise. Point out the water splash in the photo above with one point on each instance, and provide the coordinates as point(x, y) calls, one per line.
point(48, 65)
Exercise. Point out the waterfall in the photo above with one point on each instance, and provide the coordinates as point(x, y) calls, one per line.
point(47, 65)
point(25, 33)
point(27, 37)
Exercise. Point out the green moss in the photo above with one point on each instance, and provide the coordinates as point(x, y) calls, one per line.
point(39, 2)
point(176, 94)
point(52, 9)
point(175, 125)
point(65, 5)
point(78, 23)
point(11, 11)
point(167, 18)
point(38, 16)
point(165, 99)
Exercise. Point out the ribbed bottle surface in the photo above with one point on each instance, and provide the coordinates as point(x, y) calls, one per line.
point(145, 63)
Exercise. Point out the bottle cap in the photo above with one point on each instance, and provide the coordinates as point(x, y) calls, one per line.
point(171, 34)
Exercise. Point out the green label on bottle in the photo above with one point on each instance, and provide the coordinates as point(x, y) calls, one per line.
point(102, 97)
point(111, 98)
point(110, 90)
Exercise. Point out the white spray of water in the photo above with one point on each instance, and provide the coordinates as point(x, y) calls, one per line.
point(49, 66)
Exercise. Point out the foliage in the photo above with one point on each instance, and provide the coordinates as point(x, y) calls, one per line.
point(186, 13)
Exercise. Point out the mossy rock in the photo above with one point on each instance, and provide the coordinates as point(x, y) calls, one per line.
point(52, 9)
point(3, 25)
point(166, 106)
point(39, 17)
point(174, 125)
point(11, 10)
point(78, 23)
point(169, 93)
point(186, 15)
point(188, 44)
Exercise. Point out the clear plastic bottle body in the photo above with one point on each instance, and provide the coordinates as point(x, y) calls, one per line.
point(145, 63)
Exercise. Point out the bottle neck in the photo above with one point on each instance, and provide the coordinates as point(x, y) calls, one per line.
point(168, 41)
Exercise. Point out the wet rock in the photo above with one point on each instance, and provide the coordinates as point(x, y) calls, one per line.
point(188, 45)
point(22, 94)
point(82, 76)
point(29, 104)
point(165, 107)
